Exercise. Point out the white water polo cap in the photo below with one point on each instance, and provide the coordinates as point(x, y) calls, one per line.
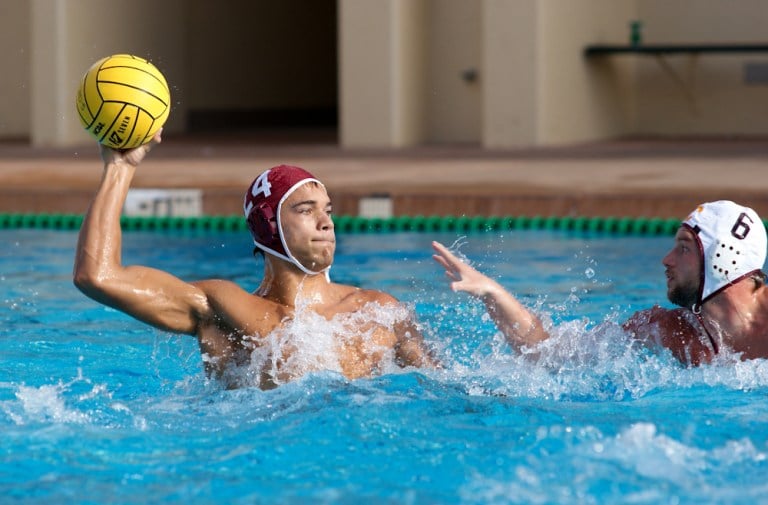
point(732, 241)
point(262, 205)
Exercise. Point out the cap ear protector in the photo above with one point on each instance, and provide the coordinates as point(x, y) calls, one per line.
point(263, 220)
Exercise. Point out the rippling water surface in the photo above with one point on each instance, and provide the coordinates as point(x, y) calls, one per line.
point(97, 408)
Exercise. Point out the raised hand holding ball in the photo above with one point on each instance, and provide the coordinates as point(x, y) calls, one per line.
point(123, 101)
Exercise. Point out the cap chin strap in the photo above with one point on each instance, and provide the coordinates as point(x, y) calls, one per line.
point(293, 260)
point(288, 256)
point(696, 307)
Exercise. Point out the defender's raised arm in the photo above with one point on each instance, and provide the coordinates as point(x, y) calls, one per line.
point(516, 322)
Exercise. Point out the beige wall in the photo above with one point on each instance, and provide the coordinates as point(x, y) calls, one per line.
point(409, 77)
point(401, 72)
point(399, 64)
point(537, 88)
point(580, 100)
point(705, 94)
point(381, 54)
point(511, 73)
point(366, 72)
point(15, 60)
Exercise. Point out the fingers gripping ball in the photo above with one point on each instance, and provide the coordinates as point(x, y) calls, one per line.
point(123, 100)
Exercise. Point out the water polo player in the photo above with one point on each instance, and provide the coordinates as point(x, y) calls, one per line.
point(714, 273)
point(296, 322)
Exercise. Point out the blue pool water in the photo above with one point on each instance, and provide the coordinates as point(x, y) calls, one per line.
point(97, 408)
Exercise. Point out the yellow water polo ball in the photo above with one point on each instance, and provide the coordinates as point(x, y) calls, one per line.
point(123, 100)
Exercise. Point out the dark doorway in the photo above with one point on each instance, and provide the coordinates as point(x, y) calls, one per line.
point(262, 66)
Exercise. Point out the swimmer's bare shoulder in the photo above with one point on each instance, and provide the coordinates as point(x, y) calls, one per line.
point(227, 320)
point(409, 344)
point(675, 329)
point(234, 309)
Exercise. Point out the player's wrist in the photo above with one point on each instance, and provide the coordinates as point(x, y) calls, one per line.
point(490, 290)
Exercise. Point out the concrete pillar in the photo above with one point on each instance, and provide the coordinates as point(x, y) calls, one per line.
point(510, 91)
point(14, 60)
point(54, 122)
point(382, 72)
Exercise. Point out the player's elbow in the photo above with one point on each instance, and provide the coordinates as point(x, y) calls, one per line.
point(83, 281)
point(89, 281)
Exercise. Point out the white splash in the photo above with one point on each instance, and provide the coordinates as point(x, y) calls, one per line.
point(43, 403)
point(63, 402)
point(660, 457)
point(308, 342)
point(582, 359)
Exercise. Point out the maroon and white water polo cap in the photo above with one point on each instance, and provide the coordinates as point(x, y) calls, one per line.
point(262, 205)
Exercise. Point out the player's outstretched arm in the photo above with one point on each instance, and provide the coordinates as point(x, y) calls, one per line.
point(518, 324)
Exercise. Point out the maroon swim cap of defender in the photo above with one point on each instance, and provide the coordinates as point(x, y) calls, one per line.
point(262, 204)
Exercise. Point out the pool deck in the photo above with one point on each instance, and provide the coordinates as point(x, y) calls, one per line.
point(632, 177)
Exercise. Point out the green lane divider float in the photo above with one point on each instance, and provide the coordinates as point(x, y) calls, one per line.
point(355, 224)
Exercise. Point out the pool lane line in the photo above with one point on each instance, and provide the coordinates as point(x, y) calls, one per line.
point(358, 224)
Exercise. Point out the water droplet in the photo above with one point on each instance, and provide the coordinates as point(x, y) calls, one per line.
point(589, 273)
